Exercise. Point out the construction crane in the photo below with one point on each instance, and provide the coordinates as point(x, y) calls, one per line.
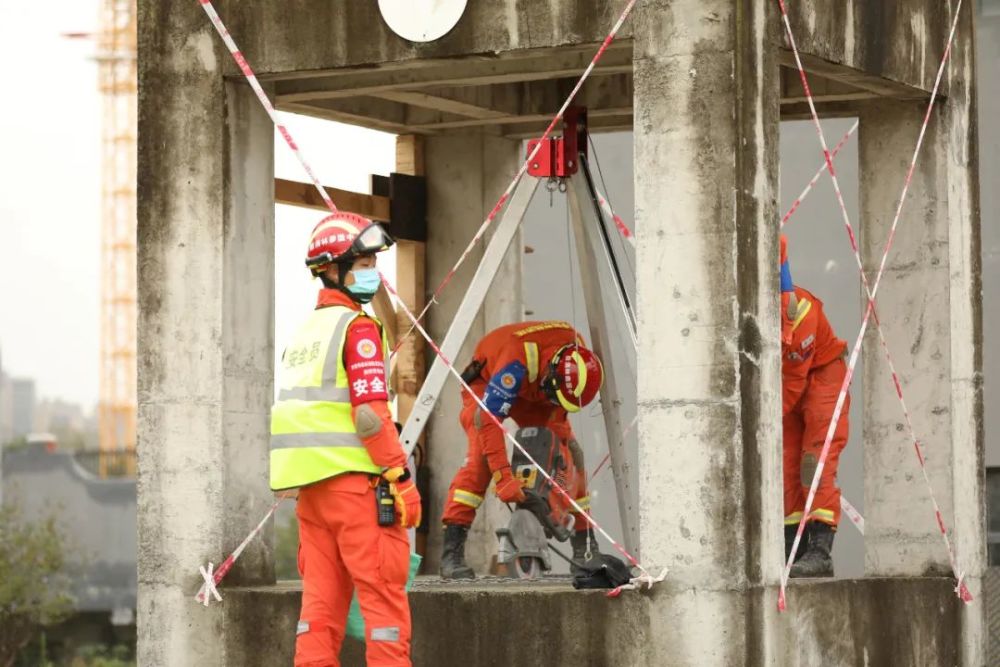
point(117, 82)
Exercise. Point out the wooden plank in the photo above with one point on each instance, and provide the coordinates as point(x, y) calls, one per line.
point(294, 193)
point(411, 363)
point(410, 155)
point(382, 305)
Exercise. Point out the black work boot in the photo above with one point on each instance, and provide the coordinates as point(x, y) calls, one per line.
point(790, 538)
point(453, 554)
point(580, 541)
point(817, 560)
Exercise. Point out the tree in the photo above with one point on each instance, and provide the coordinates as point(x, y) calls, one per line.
point(34, 582)
point(286, 549)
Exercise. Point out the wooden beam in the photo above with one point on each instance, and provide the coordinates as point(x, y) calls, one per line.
point(382, 305)
point(294, 193)
point(438, 103)
point(411, 267)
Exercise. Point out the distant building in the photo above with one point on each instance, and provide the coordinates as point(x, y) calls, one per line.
point(22, 407)
point(6, 410)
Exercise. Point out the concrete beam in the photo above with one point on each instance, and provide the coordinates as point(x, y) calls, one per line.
point(315, 35)
point(381, 115)
point(890, 47)
point(822, 89)
point(533, 66)
point(440, 103)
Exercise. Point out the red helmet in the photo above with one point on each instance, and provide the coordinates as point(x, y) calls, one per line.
point(575, 376)
point(342, 237)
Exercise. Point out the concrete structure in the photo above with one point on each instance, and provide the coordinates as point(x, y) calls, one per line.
point(703, 85)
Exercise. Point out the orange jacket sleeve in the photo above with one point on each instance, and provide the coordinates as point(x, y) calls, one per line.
point(507, 379)
point(364, 361)
point(797, 360)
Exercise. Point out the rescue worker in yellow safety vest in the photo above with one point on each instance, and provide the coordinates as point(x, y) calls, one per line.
point(333, 438)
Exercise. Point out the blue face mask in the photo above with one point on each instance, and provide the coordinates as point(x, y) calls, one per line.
point(366, 282)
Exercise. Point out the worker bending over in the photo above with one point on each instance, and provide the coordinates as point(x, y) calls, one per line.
point(334, 439)
point(535, 373)
point(812, 372)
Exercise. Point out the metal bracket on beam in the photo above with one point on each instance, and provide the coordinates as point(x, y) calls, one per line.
point(407, 204)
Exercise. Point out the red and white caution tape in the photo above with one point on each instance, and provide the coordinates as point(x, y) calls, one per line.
point(208, 589)
point(961, 590)
point(251, 78)
point(644, 574)
point(266, 103)
point(607, 457)
point(524, 167)
point(619, 223)
point(852, 513)
point(819, 172)
point(638, 583)
point(217, 575)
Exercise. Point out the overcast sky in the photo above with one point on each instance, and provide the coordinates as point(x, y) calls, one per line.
point(50, 199)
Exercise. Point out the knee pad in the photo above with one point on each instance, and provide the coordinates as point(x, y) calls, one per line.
point(808, 468)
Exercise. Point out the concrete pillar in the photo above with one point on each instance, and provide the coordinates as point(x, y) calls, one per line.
point(930, 307)
point(706, 177)
point(466, 175)
point(206, 265)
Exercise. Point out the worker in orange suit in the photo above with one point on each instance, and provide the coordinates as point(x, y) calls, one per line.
point(812, 372)
point(536, 373)
point(333, 438)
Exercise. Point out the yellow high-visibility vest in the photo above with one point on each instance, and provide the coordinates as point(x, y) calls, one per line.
point(313, 436)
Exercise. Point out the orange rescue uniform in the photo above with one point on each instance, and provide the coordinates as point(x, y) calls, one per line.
point(513, 360)
point(812, 371)
point(341, 545)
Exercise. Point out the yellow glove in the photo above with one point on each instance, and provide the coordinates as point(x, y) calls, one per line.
point(404, 491)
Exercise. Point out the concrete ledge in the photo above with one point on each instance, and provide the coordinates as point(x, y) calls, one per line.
point(829, 622)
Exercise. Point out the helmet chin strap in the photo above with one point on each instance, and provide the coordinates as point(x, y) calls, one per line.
point(343, 268)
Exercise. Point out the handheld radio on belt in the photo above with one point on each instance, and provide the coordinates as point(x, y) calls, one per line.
point(385, 503)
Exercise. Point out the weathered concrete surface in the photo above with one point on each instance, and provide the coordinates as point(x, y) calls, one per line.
point(705, 187)
point(930, 306)
point(354, 34)
point(205, 262)
point(863, 623)
point(465, 178)
point(898, 40)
